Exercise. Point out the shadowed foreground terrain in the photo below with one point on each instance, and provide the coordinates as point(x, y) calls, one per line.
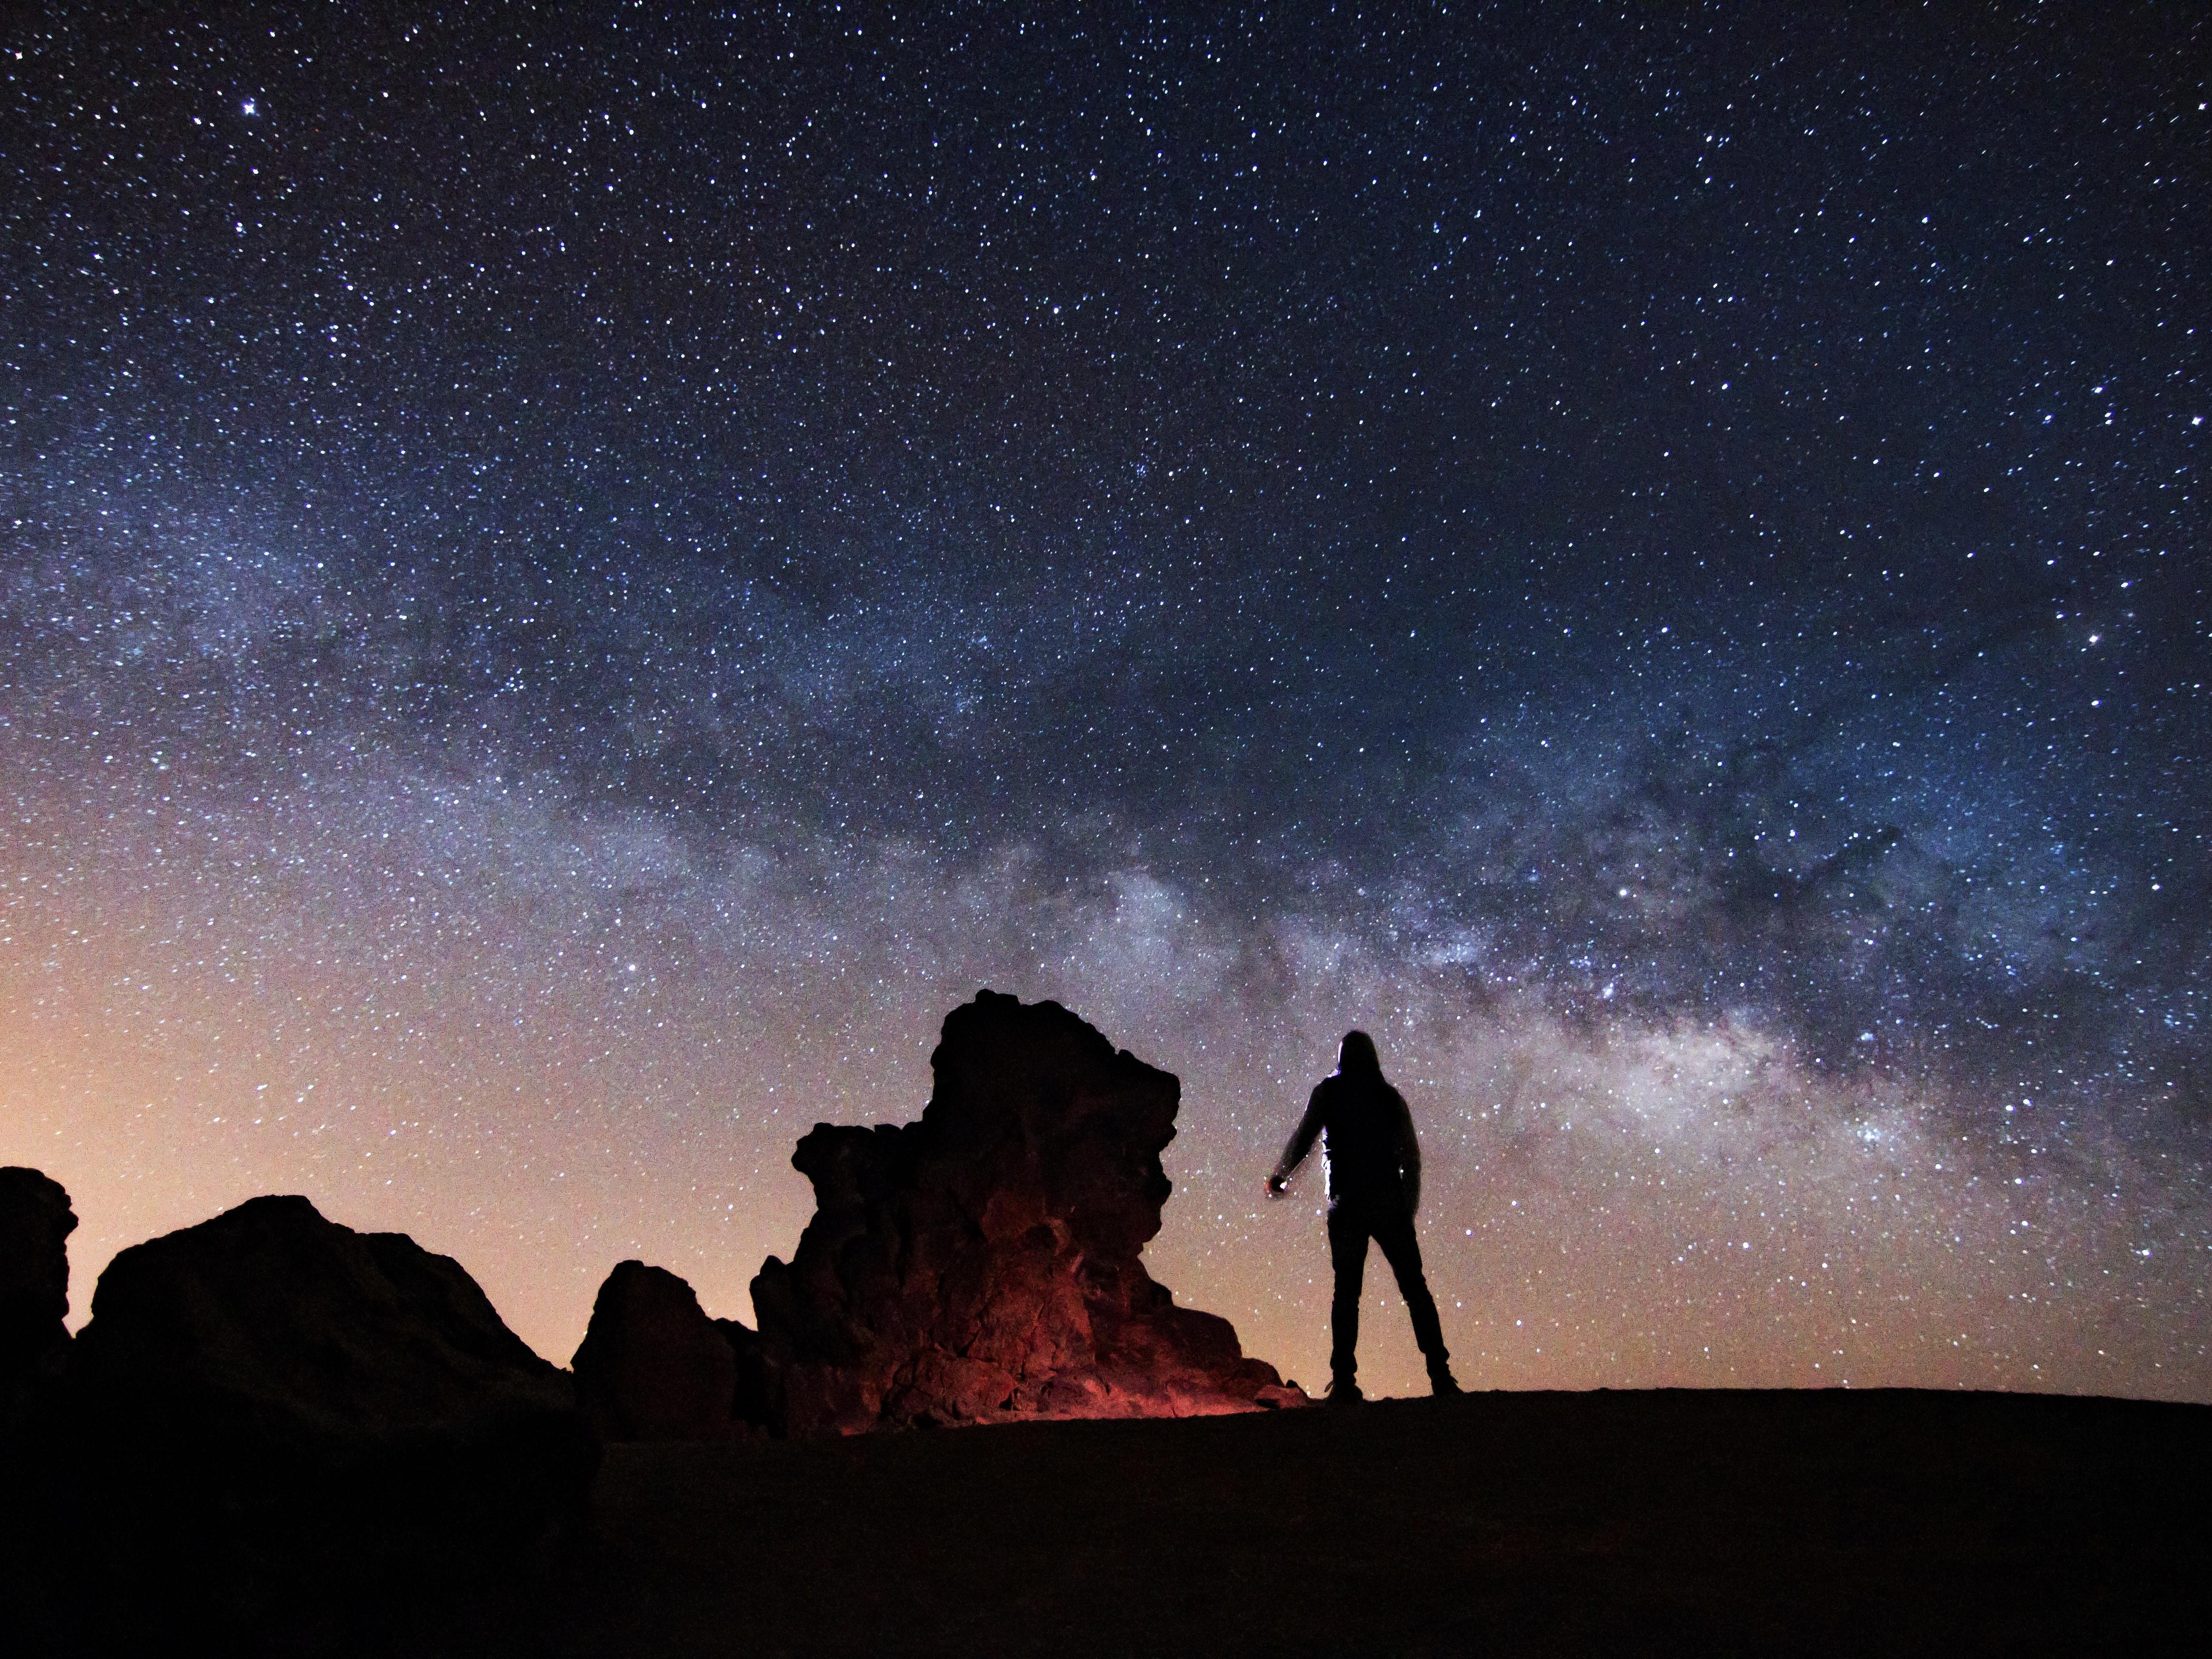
point(1649, 1523)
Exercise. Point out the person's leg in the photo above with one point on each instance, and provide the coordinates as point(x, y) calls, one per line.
point(1347, 1257)
point(1403, 1252)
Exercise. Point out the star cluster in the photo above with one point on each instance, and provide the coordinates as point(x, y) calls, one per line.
point(570, 582)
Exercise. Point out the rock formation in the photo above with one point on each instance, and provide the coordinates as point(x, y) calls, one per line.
point(320, 1405)
point(653, 1366)
point(982, 1265)
point(35, 1223)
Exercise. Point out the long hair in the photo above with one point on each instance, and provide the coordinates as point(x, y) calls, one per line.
point(1356, 1056)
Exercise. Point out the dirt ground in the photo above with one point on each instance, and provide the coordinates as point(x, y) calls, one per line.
point(1878, 1522)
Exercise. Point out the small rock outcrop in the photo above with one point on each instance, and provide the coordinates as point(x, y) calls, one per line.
point(317, 1407)
point(35, 1223)
point(653, 1366)
point(982, 1265)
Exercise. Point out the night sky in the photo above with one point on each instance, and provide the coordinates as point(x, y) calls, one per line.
point(570, 584)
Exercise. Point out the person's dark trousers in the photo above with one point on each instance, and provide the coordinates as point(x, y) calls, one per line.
point(1349, 1227)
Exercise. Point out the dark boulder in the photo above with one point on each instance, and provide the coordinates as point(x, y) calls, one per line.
point(653, 1366)
point(982, 1265)
point(272, 1408)
point(35, 1223)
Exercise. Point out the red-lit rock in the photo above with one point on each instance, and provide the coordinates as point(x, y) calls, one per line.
point(982, 1265)
point(35, 1223)
point(653, 1366)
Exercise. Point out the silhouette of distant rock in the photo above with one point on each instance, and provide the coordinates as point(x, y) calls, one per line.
point(982, 1265)
point(653, 1366)
point(35, 1223)
point(269, 1405)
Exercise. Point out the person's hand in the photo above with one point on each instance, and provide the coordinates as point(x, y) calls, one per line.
point(1275, 1185)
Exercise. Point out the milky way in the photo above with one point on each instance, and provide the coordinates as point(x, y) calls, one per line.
point(569, 586)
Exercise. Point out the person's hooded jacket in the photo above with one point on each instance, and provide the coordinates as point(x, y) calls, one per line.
point(1366, 1133)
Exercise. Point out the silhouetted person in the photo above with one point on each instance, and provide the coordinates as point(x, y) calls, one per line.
point(1374, 1188)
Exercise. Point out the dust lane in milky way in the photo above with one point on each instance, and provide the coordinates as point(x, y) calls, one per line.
point(568, 586)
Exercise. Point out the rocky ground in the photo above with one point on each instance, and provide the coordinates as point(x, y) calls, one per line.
point(1537, 1524)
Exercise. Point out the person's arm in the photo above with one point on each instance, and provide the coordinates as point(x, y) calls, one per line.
point(1301, 1143)
point(1409, 1154)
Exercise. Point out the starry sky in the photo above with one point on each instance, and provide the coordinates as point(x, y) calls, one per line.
point(572, 578)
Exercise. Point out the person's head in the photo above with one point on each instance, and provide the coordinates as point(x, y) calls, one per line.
point(1356, 1055)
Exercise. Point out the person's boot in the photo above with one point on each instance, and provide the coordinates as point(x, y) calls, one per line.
point(1343, 1391)
point(1442, 1385)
